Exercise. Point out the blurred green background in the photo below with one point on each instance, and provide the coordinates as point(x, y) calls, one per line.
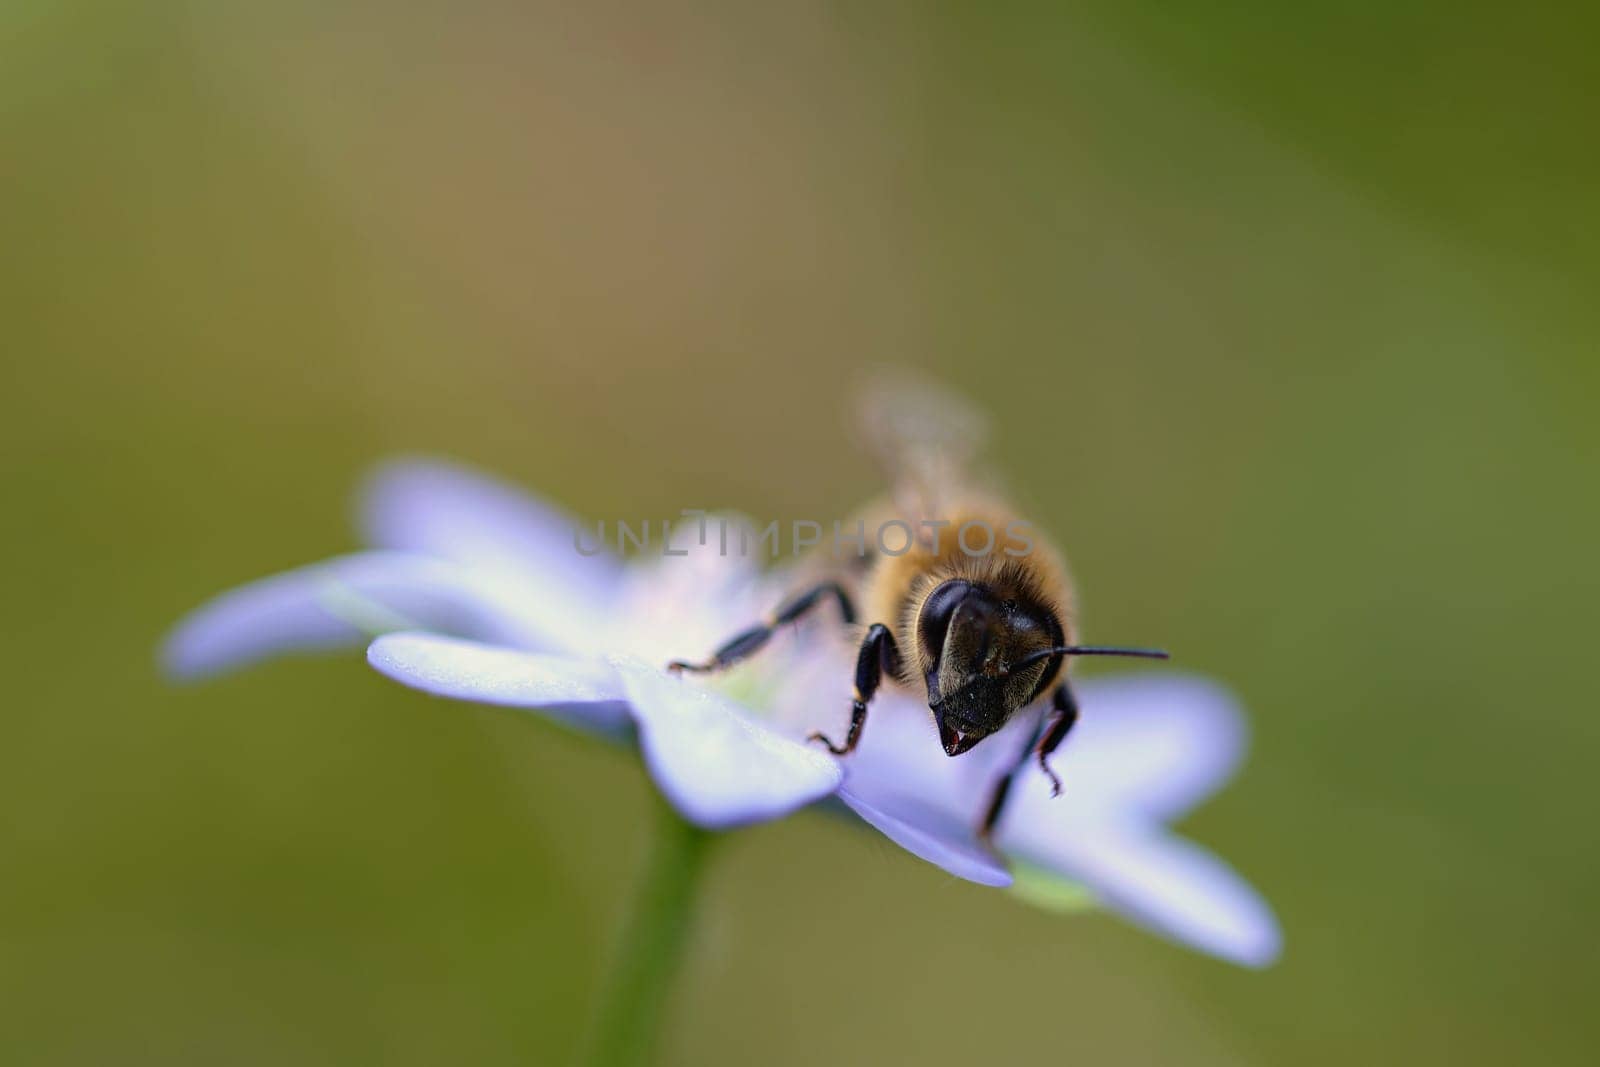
point(1287, 316)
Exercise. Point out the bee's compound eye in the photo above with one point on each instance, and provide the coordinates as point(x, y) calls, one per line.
point(933, 622)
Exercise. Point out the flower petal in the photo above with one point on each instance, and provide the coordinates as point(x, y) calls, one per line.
point(584, 693)
point(1155, 742)
point(717, 765)
point(1164, 883)
point(338, 603)
point(935, 838)
point(441, 509)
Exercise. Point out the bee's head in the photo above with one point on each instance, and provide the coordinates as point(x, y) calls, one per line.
point(983, 659)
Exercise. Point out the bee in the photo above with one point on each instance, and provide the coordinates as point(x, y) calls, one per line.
point(976, 612)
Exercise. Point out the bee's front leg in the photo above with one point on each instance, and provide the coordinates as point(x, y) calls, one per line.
point(878, 655)
point(750, 641)
point(1039, 746)
point(1066, 713)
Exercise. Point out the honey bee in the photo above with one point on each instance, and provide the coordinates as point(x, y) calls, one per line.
point(983, 623)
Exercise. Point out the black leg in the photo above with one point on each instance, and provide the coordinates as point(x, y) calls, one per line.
point(751, 640)
point(1066, 713)
point(878, 656)
point(1040, 745)
point(1002, 788)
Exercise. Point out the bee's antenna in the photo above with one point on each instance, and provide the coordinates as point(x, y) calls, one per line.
point(1088, 650)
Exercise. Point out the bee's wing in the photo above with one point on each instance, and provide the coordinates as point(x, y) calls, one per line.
point(925, 436)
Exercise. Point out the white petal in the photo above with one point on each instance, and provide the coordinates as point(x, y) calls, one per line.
point(1162, 882)
point(1156, 742)
point(718, 766)
point(583, 693)
point(444, 510)
point(934, 837)
point(338, 603)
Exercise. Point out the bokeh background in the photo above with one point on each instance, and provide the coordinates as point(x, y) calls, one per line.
point(1287, 316)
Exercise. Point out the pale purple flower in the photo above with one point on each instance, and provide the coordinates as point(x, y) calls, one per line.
point(477, 592)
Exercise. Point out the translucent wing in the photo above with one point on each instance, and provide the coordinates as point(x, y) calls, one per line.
point(924, 435)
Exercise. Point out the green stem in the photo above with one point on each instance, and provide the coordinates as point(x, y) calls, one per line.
point(626, 1028)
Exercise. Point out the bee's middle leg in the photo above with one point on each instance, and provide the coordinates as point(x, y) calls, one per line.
point(878, 655)
point(750, 641)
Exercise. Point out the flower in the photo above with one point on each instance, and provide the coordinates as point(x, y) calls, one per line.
point(476, 592)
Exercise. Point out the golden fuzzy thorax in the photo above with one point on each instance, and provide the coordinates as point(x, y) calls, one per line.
point(894, 588)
